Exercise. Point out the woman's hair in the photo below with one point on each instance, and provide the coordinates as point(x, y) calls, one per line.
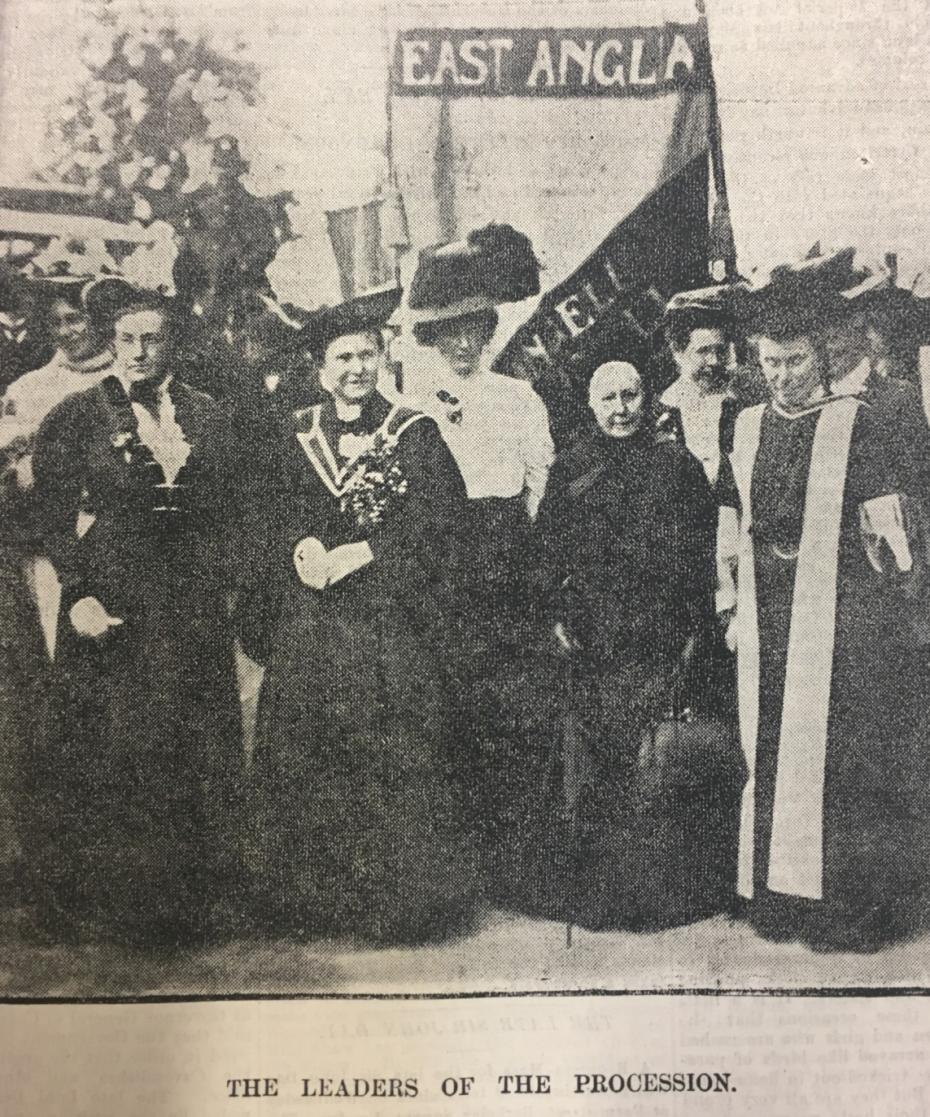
point(106, 317)
point(683, 323)
point(430, 333)
point(317, 348)
point(109, 298)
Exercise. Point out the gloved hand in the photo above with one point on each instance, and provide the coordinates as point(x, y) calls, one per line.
point(347, 559)
point(311, 562)
point(881, 521)
point(567, 644)
point(89, 618)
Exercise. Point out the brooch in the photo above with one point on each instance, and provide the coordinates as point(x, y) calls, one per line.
point(452, 404)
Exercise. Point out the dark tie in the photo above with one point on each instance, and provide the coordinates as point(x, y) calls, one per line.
point(353, 426)
point(146, 393)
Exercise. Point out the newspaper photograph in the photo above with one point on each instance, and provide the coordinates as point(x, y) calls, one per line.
point(465, 536)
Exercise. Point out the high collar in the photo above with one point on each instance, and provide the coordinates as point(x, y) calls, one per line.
point(375, 409)
point(97, 363)
point(685, 388)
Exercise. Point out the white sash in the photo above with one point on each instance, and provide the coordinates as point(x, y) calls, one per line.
point(796, 852)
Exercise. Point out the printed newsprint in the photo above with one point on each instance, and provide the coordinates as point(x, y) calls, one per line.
point(464, 557)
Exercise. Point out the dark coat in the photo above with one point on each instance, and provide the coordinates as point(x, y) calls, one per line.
point(137, 773)
point(360, 830)
point(627, 530)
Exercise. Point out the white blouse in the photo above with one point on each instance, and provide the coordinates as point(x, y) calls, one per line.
point(700, 419)
point(498, 433)
point(32, 396)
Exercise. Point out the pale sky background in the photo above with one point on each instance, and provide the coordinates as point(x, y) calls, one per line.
point(824, 105)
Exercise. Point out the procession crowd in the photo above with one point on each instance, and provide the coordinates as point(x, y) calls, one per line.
point(675, 669)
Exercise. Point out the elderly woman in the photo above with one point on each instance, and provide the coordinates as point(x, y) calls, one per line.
point(134, 779)
point(359, 831)
point(627, 531)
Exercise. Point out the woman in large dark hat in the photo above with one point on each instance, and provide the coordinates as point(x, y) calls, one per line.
point(355, 523)
point(496, 426)
point(497, 429)
point(832, 680)
point(135, 777)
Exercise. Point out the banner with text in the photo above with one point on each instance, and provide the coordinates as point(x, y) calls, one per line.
point(563, 133)
point(575, 62)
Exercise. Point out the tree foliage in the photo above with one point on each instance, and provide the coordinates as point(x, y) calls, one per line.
point(158, 126)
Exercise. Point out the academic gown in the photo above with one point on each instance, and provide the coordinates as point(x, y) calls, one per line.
point(360, 829)
point(875, 771)
point(136, 776)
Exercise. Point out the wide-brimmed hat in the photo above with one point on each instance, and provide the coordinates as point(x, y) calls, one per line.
point(107, 296)
point(703, 307)
point(492, 265)
point(819, 291)
point(370, 311)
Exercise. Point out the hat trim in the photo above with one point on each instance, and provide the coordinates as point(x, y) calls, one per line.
point(461, 308)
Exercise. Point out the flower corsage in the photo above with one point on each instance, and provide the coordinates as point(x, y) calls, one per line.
point(376, 485)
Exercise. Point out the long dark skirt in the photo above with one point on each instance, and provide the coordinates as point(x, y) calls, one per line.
point(24, 672)
point(360, 830)
point(135, 780)
point(595, 848)
point(491, 688)
point(875, 802)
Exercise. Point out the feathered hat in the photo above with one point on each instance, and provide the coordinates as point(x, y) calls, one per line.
point(805, 297)
point(493, 265)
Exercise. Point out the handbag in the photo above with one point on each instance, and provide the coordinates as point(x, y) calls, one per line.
point(686, 752)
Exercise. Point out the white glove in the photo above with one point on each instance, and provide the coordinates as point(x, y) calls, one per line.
point(565, 642)
point(347, 559)
point(730, 637)
point(311, 562)
point(89, 618)
point(881, 519)
point(24, 475)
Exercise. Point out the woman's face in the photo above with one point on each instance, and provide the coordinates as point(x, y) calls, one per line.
point(70, 331)
point(140, 345)
point(617, 399)
point(793, 369)
point(350, 367)
point(460, 344)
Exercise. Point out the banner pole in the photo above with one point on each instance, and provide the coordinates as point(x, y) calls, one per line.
point(721, 225)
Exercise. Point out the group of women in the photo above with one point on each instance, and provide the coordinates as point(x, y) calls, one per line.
point(485, 667)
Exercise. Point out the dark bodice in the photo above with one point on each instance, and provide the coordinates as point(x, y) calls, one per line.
point(626, 533)
point(779, 479)
point(297, 489)
point(90, 463)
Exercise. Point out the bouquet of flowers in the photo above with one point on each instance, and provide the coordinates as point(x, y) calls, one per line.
point(376, 485)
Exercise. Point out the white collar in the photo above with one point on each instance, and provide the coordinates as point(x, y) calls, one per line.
point(686, 388)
